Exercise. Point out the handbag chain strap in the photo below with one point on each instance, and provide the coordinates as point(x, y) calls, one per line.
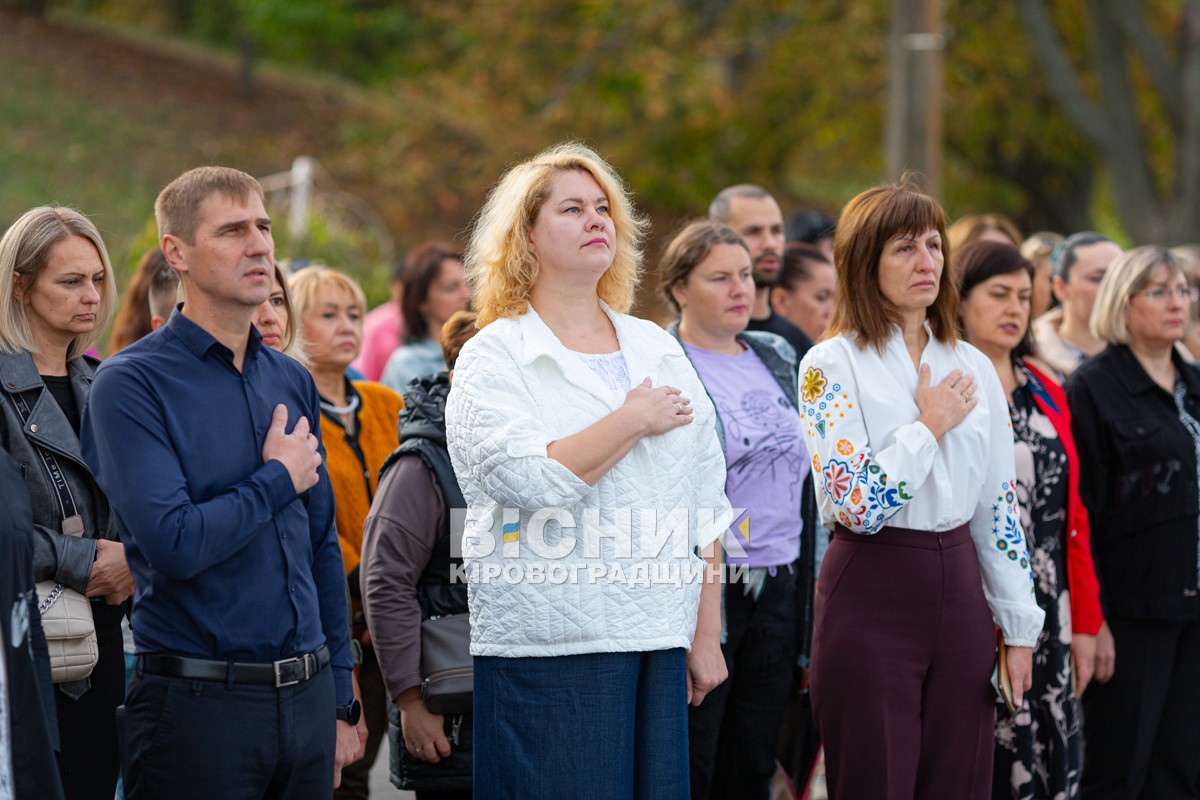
point(72, 524)
point(55, 593)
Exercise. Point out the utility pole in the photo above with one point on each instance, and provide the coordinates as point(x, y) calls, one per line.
point(913, 135)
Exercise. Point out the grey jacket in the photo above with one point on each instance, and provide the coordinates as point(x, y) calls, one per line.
point(65, 559)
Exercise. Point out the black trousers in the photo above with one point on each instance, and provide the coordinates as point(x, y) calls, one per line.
point(732, 734)
point(187, 739)
point(1142, 728)
point(88, 761)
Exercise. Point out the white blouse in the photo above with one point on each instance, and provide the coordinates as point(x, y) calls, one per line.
point(874, 464)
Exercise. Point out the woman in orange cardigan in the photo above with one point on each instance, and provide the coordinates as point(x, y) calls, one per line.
point(359, 428)
point(1039, 748)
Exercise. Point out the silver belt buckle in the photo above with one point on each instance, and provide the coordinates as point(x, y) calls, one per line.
point(280, 682)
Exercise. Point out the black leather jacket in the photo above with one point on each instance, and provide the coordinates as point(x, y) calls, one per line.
point(65, 559)
point(1137, 465)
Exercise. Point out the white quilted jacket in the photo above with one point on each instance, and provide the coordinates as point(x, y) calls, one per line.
point(553, 589)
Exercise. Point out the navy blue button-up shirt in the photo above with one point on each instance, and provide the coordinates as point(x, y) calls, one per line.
point(230, 563)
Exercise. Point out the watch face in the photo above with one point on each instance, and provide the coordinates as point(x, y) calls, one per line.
point(350, 713)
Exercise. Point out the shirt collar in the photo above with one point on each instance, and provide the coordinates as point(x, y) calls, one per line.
point(200, 341)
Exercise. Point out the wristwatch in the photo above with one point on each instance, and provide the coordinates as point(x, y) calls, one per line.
point(350, 713)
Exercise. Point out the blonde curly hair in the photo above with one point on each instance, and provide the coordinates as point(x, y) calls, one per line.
point(501, 269)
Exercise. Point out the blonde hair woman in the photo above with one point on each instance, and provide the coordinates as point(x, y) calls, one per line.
point(1135, 410)
point(358, 427)
point(57, 295)
point(571, 423)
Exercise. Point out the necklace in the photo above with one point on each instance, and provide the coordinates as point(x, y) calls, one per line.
point(349, 408)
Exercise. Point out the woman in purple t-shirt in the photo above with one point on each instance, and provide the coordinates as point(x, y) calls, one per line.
point(706, 274)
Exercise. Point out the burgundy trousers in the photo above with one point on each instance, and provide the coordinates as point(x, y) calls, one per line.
point(903, 650)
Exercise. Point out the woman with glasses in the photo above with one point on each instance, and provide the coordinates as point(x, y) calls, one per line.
point(1136, 419)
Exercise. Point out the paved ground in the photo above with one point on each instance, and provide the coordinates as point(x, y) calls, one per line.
point(382, 787)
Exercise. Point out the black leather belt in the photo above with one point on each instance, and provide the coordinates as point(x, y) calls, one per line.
point(285, 672)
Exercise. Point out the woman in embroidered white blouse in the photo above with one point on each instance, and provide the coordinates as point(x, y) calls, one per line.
point(912, 454)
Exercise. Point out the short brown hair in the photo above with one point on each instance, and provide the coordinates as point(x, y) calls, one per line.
point(795, 267)
point(969, 228)
point(457, 331)
point(163, 292)
point(684, 253)
point(868, 223)
point(177, 208)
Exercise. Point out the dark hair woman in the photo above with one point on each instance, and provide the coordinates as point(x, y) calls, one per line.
point(56, 296)
point(913, 457)
point(435, 287)
point(1136, 418)
point(1039, 751)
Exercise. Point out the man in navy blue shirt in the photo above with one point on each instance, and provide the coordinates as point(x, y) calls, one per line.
point(243, 683)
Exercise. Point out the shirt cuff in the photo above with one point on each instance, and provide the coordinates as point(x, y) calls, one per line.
point(277, 483)
point(1021, 623)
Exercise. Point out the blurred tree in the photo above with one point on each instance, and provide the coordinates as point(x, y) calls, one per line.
point(1149, 140)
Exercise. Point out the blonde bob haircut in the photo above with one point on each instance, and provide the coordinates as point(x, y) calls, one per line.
point(868, 223)
point(307, 285)
point(501, 269)
point(1129, 274)
point(24, 252)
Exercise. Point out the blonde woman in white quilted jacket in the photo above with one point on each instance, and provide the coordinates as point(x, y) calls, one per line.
point(586, 450)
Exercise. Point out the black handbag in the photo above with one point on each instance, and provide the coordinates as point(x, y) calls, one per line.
point(447, 671)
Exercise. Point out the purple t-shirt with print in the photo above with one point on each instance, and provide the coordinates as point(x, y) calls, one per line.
point(765, 458)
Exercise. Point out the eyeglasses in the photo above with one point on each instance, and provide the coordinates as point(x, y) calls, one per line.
point(1160, 294)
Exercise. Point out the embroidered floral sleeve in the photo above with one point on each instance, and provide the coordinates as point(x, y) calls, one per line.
point(996, 528)
point(859, 483)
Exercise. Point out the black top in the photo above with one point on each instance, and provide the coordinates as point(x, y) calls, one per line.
point(60, 387)
point(1137, 477)
point(780, 326)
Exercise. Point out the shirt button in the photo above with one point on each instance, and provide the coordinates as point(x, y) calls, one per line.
point(258, 431)
point(293, 588)
point(33, 428)
point(295, 646)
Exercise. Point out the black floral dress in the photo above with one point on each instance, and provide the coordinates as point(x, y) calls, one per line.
point(1039, 750)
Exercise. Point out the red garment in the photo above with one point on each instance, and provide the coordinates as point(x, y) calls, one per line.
point(1086, 615)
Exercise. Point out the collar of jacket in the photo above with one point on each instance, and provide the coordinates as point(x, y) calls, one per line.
point(642, 354)
point(1137, 381)
point(18, 375)
point(774, 351)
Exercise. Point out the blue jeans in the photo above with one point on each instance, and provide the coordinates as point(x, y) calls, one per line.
point(601, 725)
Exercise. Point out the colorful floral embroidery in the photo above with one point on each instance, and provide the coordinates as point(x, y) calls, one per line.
point(816, 463)
point(1006, 528)
point(837, 480)
point(845, 447)
point(860, 488)
point(814, 384)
